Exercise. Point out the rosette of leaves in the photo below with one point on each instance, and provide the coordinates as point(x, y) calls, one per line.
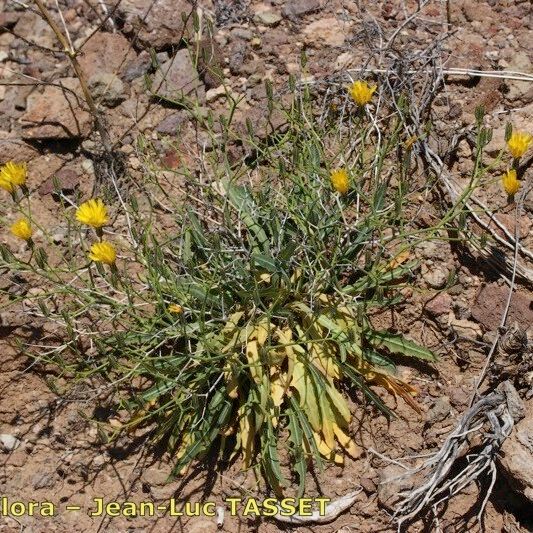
point(275, 335)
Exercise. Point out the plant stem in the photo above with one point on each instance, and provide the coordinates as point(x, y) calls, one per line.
point(72, 55)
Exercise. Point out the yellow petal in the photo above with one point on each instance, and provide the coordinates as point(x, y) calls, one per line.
point(510, 182)
point(93, 213)
point(12, 175)
point(22, 229)
point(340, 181)
point(103, 252)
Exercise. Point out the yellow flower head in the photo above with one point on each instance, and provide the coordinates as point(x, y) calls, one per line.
point(361, 92)
point(103, 252)
point(12, 175)
point(519, 143)
point(175, 308)
point(339, 180)
point(510, 183)
point(22, 229)
point(93, 213)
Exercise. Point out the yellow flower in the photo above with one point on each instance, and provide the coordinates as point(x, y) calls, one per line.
point(339, 180)
point(103, 252)
point(12, 175)
point(361, 92)
point(175, 308)
point(93, 213)
point(519, 143)
point(510, 183)
point(22, 229)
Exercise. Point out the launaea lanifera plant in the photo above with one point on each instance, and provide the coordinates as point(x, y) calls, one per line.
point(275, 336)
point(248, 331)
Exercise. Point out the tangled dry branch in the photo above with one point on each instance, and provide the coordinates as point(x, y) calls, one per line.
point(486, 425)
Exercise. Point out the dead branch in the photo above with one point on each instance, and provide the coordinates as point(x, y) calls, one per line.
point(490, 420)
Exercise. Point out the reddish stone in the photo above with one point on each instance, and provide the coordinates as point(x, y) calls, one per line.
point(106, 53)
point(171, 159)
point(439, 305)
point(157, 24)
point(67, 180)
point(490, 304)
point(56, 113)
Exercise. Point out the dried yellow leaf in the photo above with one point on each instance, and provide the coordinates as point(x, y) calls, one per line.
point(346, 442)
point(252, 355)
point(247, 435)
point(398, 260)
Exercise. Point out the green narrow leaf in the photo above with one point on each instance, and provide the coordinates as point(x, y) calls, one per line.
point(307, 431)
point(157, 390)
point(267, 262)
point(399, 344)
point(287, 252)
point(379, 196)
point(380, 360)
point(196, 229)
point(187, 247)
point(241, 200)
point(216, 416)
point(196, 291)
point(271, 462)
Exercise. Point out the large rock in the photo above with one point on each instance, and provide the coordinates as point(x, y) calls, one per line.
point(439, 305)
point(297, 8)
point(9, 18)
point(9, 442)
point(267, 18)
point(137, 67)
point(491, 301)
point(263, 121)
point(171, 124)
point(12, 149)
point(516, 457)
point(33, 28)
point(439, 411)
point(67, 179)
point(177, 78)
point(326, 32)
point(518, 91)
point(480, 11)
point(56, 113)
point(435, 276)
point(108, 53)
point(157, 24)
point(466, 328)
point(106, 88)
point(391, 484)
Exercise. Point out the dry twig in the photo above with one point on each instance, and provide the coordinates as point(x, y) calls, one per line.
point(490, 420)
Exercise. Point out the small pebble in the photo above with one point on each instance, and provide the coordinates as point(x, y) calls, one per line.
point(9, 442)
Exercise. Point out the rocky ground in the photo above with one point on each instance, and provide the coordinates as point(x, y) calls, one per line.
point(137, 67)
